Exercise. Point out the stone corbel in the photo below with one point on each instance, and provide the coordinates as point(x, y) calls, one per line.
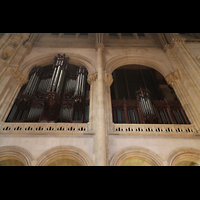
point(92, 77)
point(108, 78)
point(172, 77)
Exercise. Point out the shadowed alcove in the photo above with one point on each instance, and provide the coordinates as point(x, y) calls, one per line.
point(141, 95)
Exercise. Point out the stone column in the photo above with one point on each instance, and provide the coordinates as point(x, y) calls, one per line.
point(174, 80)
point(100, 137)
point(108, 82)
point(92, 77)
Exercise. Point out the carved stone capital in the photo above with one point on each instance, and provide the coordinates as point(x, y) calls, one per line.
point(92, 77)
point(108, 78)
point(172, 77)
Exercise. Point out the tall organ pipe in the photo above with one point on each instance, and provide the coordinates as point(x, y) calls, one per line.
point(30, 85)
point(83, 85)
point(59, 81)
point(34, 85)
point(77, 84)
point(51, 82)
point(80, 84)
point(62, 81)
point(56, 79)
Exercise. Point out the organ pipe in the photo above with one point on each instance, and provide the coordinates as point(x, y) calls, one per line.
point(57, 79)
point(146, 106)
point(80, 83)
point(33, 81)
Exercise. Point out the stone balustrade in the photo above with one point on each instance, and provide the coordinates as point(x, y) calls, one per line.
point(83, 129)
point(45, 128)
point(158, 129)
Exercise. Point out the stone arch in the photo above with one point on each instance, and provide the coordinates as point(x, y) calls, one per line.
point(146, 60)
point(136, 152)
point(198, 58)
point(183, 154)
point(17, 153)
point(48, 59)
point(60, 152)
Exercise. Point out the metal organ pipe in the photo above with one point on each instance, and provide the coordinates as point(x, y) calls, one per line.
point(51, 82)
point(80, 84)
point(34, 85)
point(56, 79)
point(28, 85)
point(59, 81)
point(77, 84)
point(148, 106)
point(83, 85)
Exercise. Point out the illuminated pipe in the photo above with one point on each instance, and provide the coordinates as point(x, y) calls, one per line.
point(51, 82)
point(56, 79)
point(77, 84)
point(59, 81)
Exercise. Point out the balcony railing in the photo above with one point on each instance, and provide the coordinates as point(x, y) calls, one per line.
point(158, 129)
point(45, 128)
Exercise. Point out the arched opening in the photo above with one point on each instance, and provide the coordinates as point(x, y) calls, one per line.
point(64, 156)
point(140, 95)
point(184, 157)
point(15, 156)
point(187, 163)
point(11, 162)
point(134, 162)
point(65, 162)
point(136, 156)
point(54, 93)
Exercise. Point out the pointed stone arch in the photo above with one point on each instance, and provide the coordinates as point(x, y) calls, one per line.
point(60, 152)
point(183, 154)
point(16, 153)
point(138, 153)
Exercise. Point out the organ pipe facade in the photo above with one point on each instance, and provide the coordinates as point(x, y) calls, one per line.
point(55, 93)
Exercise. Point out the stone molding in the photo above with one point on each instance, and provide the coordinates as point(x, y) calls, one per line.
point(183, 154)
point(198, 58)
point(92, 77)
point(17, 75)
point(18, 153)
point(60, 152)
point(138, 153)
point(172, 77)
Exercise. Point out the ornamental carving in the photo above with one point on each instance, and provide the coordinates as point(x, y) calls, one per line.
point(172, 77)
point(108, 78)
point(17, 75)
point(92, 77)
